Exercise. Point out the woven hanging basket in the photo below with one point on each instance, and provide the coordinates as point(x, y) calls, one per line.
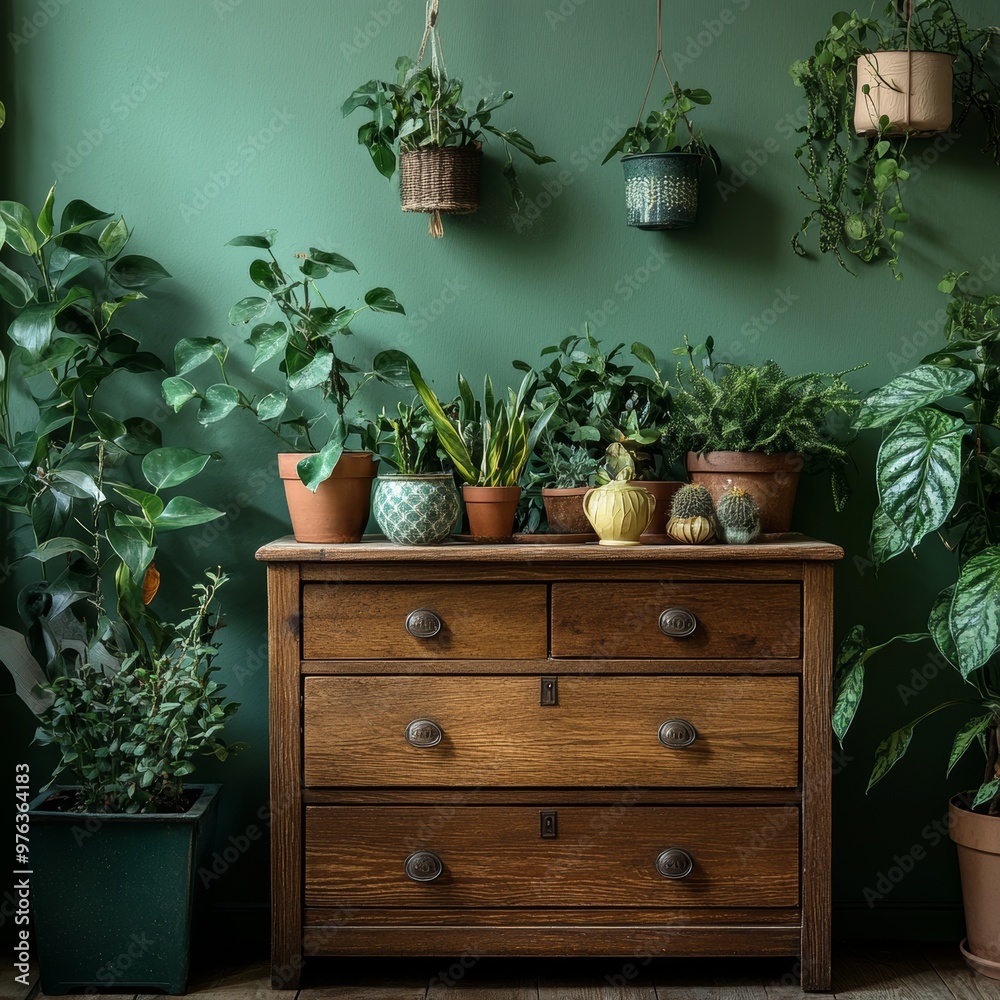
point(440, 179)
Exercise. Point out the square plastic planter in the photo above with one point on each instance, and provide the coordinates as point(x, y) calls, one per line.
point(114, 895)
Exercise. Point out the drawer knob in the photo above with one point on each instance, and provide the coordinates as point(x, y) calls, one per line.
point(675, 862)
point(423, 733)
point(423, 866)
point(677, 733)
point(677, 622)
point(423, 624)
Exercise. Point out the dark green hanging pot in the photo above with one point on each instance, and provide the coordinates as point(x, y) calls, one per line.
point(661, 189)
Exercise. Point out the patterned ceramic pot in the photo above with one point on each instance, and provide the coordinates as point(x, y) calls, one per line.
point(619, 512)
point(661, 189)
point(416, 510)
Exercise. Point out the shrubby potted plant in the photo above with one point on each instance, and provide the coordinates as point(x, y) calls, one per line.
point(327, 486)
point(422, 115)
point(568, 473)
point(938, 477)
point(127, 698)
point(417, 504)
point(489, 443)
point(872, 85)
point(756, 428)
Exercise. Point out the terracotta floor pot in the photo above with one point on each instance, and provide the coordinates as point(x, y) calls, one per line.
point(338, 511)
point(772, 479)
point(564, 510)
point(978, 840)
point(663, 491)
point(914, 89)
point(491, 511)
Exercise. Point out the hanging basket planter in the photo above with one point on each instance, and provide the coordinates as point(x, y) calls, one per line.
point(441, 179)
point(661, 189)
point(912, 89)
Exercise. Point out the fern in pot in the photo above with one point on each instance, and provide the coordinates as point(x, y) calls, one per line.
point(417, 504)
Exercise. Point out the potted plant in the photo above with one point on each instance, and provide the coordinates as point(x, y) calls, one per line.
point(489, 443)
point(327, 486)
point(418, 503)
point(756, 428)
point(892, 77)
point(439, 141)
point(569, 473)
point(938, 477)
point(94, 660)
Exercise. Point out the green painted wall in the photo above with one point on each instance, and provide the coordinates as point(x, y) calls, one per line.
point(201, 119)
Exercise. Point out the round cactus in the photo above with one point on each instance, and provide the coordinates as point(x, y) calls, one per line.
point(692, 501)
point(738, 516)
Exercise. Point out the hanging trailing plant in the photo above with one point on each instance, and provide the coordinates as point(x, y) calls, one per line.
point(439, 140)
point(867, 85)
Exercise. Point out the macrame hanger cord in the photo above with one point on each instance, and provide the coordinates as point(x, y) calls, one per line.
point(658, 61)
point(434, 226)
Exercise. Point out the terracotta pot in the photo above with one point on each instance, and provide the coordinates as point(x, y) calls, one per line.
point(338, 511)
point(619, 512)
point(663, 491)
point(491, 511)
point(771, 479)
point(914, 89)
point(564, 510)
point(978, 840)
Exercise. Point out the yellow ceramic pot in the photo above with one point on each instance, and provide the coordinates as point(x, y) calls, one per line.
point(619, 512)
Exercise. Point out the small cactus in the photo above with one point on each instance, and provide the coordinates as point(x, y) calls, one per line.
point(692, 501)
point(738, 516)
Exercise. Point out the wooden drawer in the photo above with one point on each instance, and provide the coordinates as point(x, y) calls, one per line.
point(601, 856)
point(622, 620)
point(603, 731)
point(360, 621)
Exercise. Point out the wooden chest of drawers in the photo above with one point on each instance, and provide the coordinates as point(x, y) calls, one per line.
point(560, 750)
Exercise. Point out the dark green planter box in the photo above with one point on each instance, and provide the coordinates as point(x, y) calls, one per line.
point(661, 189)
point(113, 896)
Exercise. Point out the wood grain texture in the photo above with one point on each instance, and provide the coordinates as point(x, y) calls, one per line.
point(777, 547)
point(619, 988)
point(547, 797)
point(817, 776)
point(286, 774)
point(883, 973)
point(964, 983)
point(359, 620)
point(735, 620)
point(494, 856)
point(603, 731)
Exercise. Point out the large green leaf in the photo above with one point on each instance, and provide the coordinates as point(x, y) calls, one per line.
point(918, 471)
point(194, 351)
point(149, 503)
point(135, 271)
point(889, 751)
point(177, 391)
point(966, 736)
point(315, 469)
point(183, 512)
point(33, 327)
point(262, 241)
point(60, 546)
point(248, 309)
point(132, 550)
point(272, 406)
point(887, 540)
point(113, 237)
point(937, 625)
point(20, 224)
point(334, 261)
point(987, 792)
point(78, 215)
point(849, 679)
point(218, 402)
point(910, 391)
point(383, 300)
point(45, 215)
point(393, 368)
point(315, 373)
point(267, 340)
point(974, 619)
point(167, 467)
point(14, 289)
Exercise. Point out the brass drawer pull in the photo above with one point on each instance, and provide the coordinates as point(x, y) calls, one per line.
point(423, 866)
point(675, 862)
point(678, 623)
point(677, 733)
point(423, 733)
point(423, 624)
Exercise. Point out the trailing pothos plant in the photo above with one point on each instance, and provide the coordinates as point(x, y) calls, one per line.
point(306, 344)
point(856, 185)
point(938, 474)
point(669, 130)
point(423, 109)
point(82, 483)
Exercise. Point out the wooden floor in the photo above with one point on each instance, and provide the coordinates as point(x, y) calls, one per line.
point(861, 972)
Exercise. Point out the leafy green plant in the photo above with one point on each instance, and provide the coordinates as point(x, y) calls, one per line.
point(938, 474)
point(407, 442)
point(565, 466)
point(488, 442)
point(305, 344)
point(424, 108)
point(856, 185)
point(720, 406)
point(128, 733)
point(669, 130)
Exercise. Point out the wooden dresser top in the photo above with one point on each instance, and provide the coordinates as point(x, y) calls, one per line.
point(771, 548)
